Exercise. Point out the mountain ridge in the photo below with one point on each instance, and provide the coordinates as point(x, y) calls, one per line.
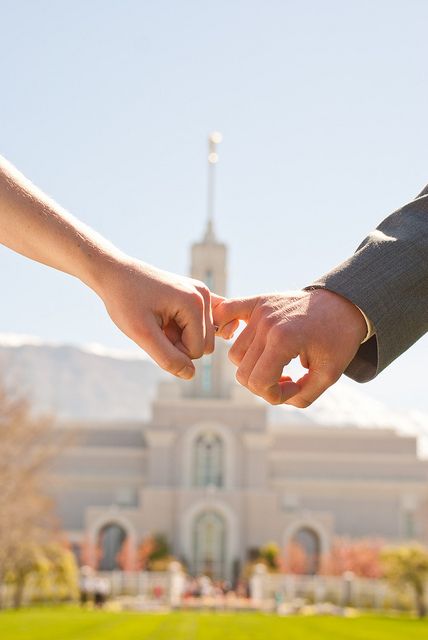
point(93, 382)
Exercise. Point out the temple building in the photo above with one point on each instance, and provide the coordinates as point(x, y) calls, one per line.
point(212, 474)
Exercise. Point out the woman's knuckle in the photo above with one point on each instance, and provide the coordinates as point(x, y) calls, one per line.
point(195, 300)
point(209, 348)
point(202, 288)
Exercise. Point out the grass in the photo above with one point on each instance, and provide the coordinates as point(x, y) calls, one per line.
point(70, 623)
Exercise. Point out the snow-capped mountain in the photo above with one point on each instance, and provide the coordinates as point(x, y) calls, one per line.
point(88, 382)
point(95, 383)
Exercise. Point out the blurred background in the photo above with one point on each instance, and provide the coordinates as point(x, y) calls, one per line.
point(107, 106)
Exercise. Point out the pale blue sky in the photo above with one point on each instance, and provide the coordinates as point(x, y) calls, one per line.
point(107, 105)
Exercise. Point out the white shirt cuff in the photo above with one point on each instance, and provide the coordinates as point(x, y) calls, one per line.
point(370, 327)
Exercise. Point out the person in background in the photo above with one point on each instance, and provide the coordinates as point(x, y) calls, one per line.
point(86, 585)
point(101, 591)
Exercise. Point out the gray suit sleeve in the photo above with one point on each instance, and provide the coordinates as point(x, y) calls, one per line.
point(387, 277)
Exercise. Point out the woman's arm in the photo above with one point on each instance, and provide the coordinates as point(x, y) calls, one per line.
point(166, 315)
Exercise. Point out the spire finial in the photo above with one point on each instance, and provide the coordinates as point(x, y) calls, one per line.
point(213, 140)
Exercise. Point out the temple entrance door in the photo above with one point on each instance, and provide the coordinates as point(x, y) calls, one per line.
point(308, 541)
point(110, 541)
point(209, 545)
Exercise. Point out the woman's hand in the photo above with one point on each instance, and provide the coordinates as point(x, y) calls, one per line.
point(167, 315)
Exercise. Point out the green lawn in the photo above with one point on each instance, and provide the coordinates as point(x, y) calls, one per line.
point(73, 624)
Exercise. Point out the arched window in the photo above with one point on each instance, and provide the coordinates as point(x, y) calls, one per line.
point(208, 461)
point(110, 542)
point(209, 545)
point(306, 542)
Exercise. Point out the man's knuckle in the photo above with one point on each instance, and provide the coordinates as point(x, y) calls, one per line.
point(278, 333)
point(270, 392)
point(268, 322)
point(329, 376)
point(235, 354)
point(253, 386)
point(234, 359)
point(257, 386)
point(264, 307)
point(329, 379)
point(300, 403)
point(242, 378)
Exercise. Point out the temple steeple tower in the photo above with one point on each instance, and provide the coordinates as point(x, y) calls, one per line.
point(208, 263)
point(209, 256)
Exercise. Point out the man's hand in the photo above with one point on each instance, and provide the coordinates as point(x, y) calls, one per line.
point(322, 328)
point(166, 315)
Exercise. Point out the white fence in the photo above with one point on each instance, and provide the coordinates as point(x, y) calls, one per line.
point(164, 588)
point(346, 590)
point(267, 590)
point(151, 584)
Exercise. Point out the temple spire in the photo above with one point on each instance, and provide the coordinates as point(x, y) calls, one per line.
point(209, 264)
point(213, 140)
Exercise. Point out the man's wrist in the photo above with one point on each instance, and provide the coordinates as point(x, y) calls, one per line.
point(352, 314)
